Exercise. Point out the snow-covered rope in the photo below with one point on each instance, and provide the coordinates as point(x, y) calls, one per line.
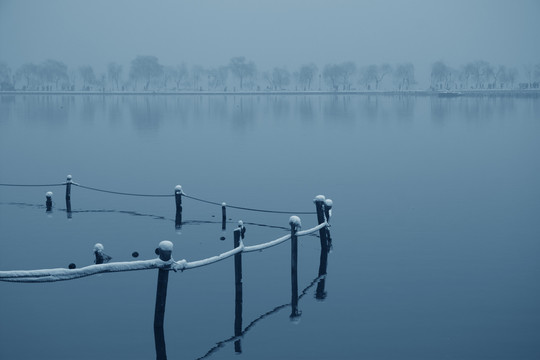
point(51, 275)
point(60, 274)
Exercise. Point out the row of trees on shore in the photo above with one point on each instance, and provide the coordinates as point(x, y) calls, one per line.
point(147, 74)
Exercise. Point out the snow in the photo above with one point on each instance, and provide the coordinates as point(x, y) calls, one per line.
point(59, 274)
point(223, 204)
point(48, 194)
point(50, 275)
point(295, 220)
point(320, 198)
point(240, 223)
point(69, 177)
point(328, 203)
point(166, 245)
point(178, 188)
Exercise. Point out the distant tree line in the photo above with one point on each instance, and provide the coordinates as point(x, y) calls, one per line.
point(147, 74)
point(482, 75)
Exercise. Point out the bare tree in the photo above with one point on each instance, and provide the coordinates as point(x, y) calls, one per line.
point(53, 71)
point(217, 77)
point(88, 76)
point(404, 76)
point(28, 72)
point(280, 78)
point(241, 69)
point(332, 75)
point(146, 68)
point(114, 71)
point(6, 80)
point(375, 74)
point(180, 74)
point(197, 73)
point(347, 71)
point(306, 75)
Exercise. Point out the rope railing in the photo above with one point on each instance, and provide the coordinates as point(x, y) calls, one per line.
point(178, 194)
point(165, 263)
point(61, 274)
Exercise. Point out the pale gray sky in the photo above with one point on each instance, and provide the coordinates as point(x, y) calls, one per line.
point(271, 33)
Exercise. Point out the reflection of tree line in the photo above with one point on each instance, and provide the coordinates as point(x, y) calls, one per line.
point(470, 108)
point(148, 112)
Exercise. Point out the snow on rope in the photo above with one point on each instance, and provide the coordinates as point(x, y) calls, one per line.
point(60, 274)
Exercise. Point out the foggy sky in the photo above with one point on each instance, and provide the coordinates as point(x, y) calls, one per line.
point(271, 33)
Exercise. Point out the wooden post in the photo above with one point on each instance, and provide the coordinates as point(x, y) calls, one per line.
point(48, 201)
point(238, 301)
point(328, 214)
point(319, 205)
point(295, 223)
point(68, 195)
point(165, 251)
point(178, 199)
point(223, 216)
point(101, 257)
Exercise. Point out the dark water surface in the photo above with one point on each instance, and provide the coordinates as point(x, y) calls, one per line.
point(436, 227)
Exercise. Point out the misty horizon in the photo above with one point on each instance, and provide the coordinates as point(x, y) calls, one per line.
point(285, 34)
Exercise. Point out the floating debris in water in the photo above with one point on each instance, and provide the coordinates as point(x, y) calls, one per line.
point(72, 266)
point(222, 238)
point(135, 254)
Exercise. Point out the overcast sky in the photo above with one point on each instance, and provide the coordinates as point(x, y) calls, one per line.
point(271, 33)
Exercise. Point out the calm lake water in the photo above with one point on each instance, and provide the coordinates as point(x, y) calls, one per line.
point(435, 228)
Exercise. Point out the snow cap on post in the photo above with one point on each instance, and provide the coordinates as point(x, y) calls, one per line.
point(69, 177)
point(98, 247)
point(48, 194)
point(165, 250)
point(319, 198)
point(178, 188)
point(328, 203)
point(295, 220)
point(223, 204)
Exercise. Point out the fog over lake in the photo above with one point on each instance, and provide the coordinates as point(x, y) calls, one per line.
point(420, 120)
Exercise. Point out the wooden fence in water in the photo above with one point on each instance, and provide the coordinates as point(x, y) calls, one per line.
point(165, 262)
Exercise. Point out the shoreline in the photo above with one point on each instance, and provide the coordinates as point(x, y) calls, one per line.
point(451, 94)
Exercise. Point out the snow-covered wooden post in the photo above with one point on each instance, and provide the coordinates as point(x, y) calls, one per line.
point(68, 195)
point(101, 257)
point(319, 205)
point(165, 251)
point(295, 223)
point(178, 200)
point(223, 216)
point(238, 291)
point(48, 201)
point(328, 209)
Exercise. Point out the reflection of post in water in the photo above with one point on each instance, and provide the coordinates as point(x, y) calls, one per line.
point(294, 221)
point(238, 292)
point(68, 196)
point(165, 251)
point(320, 293)
point(178, 200)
